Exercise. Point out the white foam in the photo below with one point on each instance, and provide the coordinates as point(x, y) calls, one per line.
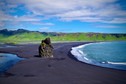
point(80, 55)
point(81, 46)
point(76, 53)
point(117, 63)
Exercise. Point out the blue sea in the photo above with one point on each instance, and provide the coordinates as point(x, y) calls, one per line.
point(8, 60)
point(104, 54)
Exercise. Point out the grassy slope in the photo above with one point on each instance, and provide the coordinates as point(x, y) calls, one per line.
point(24, 37)
point(37, 37)
point(86, 37)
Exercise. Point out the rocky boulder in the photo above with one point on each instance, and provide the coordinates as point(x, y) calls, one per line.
point(46, 48)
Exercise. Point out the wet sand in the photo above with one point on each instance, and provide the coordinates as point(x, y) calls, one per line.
point(62, 69)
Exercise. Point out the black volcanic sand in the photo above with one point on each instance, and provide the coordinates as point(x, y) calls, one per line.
point(62, 69)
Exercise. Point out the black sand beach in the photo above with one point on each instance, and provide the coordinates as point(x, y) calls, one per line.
point(62, 69)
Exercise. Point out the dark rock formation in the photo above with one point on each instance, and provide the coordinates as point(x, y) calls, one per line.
point(46, 49)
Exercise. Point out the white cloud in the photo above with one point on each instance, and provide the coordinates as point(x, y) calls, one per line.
point(1, 24)
point(107, 26)
point(4, 17)
point(106, 11)
point(52, 7)
point(41, 23)
point(44, 29)
point(117, 20)
point(26, 18)
point(7, 17)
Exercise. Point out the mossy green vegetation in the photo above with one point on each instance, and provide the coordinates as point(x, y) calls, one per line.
point(37, 37)
point(88, 37)
point(23, 37)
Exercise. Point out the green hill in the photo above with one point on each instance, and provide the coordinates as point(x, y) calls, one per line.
point(34, 36)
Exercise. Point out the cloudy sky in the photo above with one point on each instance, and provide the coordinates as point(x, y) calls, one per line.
point(105, 16)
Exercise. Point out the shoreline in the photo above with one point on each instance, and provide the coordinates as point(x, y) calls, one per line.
point(38, 42)
point(81, 56)
point(63, 68)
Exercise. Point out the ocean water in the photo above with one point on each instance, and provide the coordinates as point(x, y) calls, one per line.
point(7, 61)
point(104, 54)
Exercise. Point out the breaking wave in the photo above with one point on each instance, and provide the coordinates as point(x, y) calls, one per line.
point(83, 56)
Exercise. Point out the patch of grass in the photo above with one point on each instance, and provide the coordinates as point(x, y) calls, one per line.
point(37, 37)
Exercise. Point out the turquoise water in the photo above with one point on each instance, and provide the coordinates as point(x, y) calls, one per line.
point(7, 61)
point(105, 54)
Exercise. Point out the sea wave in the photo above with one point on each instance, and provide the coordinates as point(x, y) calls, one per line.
point(80, 55)
point(117, 63)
